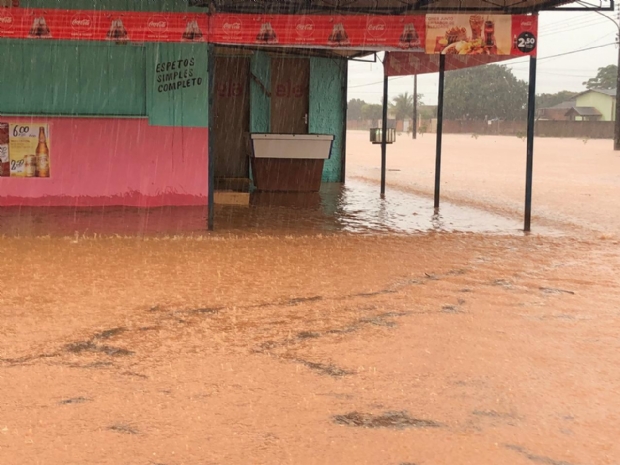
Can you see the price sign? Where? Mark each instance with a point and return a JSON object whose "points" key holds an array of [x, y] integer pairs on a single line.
{"points": [[23, 143], [526, 42]]}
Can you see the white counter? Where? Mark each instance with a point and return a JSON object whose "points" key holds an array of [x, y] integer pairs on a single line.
{"points": [[294, 146]]}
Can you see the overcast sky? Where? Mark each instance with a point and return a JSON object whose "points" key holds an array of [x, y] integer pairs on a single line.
{"points": [[558, 33]]}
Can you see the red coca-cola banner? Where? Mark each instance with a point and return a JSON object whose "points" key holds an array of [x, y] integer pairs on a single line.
{"points": [[433, 34], [340, 32], [410, 63], [116, 26]]}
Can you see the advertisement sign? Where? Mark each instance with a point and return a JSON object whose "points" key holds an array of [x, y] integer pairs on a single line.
{"points": [[481, 35], [408, 64], [29, 150], [354, 32], [114, 26], [503, 35]]}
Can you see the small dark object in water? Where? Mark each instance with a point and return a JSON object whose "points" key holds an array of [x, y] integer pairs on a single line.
{"points": [[331, 370], [108, 333], [74, 400], [122, 428], [450, 309], [394, 420], [299, 300], [114, 351], [552, 290], [207, 310], [79, 347], [535, 458]]}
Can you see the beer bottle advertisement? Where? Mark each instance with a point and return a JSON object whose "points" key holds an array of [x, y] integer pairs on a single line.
{"points": [[29, 150]]}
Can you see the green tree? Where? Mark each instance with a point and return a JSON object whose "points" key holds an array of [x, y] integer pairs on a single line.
{"points": [[372, 111], [354, 109], [402, 105], [484, 92], [427, 111], [550, 100], [606, 78]]}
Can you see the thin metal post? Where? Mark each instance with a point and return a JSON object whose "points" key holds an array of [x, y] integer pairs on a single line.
{"points": [[442, 69], [210, 154], [531, 121], [345, 108], [384, 132], [617, 113], [415, 107]]}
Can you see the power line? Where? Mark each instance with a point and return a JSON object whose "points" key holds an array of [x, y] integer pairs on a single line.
{"points": [[566, 53]]}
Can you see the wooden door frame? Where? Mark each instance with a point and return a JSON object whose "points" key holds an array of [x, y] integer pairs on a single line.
{"points": [[247, 111], [274, 57]]}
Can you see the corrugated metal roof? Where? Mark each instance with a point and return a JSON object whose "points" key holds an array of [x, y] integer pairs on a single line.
{"points": [[380, 6], [584, 111], [561, 106], [610, 92]]}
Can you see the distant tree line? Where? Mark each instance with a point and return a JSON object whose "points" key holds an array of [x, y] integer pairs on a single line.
{"points": [[480, 93], [401, 107]]}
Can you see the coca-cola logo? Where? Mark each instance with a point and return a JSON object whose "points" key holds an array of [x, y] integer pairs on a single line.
{"points": [[81, 22], [157, 24], [231, 25], [6, 22], [376, 28], [527, 25], [305, 28]]}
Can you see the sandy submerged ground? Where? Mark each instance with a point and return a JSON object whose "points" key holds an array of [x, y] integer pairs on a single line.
{"points": [[575, 183], [437, 348]]}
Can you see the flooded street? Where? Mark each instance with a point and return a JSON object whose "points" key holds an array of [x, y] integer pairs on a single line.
{"points": [[336, 329]]}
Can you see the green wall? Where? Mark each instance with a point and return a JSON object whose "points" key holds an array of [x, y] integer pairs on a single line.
{"points": [[63, 78], [120, 5], [327, 94], [67, 78], [260, 103]]}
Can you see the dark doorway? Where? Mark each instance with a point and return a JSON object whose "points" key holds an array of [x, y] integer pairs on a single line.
{"points": [[290, 85], [231, 120]]}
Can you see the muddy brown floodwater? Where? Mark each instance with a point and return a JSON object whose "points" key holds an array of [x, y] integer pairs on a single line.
{"points": [[339, 337]]}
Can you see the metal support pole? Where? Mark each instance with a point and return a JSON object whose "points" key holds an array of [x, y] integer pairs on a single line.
{"points": [[531, 113], [384, 132], [210, 154], [617, 115], [442, 69], [415, 107]]}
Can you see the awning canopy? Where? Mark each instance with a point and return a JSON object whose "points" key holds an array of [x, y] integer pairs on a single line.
{"points": [[390, 7]]}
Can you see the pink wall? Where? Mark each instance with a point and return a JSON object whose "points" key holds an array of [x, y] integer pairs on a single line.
{"points": [[115, 161]]}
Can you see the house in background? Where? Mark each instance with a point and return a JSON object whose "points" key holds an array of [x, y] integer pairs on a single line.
{"points": [[601, 100], [583, 114], [556, 112], [591, 105]]}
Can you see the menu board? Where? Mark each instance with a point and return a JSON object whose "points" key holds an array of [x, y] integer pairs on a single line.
{"points": [[29, 150]]}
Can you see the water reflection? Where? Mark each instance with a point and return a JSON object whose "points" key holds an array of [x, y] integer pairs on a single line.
{"points": [[354, 208], [357, 208]]}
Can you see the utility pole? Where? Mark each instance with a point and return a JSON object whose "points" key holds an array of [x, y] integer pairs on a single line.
{"points": [[415, 106], [617, 112]]}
